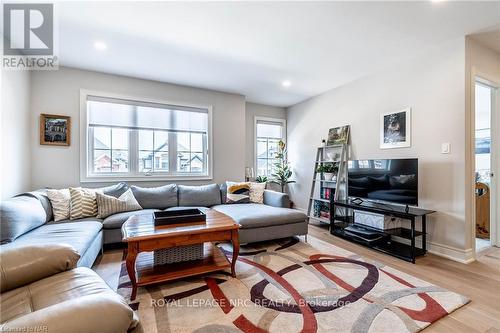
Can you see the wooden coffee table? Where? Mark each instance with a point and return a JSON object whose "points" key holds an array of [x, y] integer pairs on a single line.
{"points": [[142, 235]]}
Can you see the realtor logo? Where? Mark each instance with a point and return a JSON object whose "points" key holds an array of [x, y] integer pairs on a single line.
{"points": [[28, 36]]}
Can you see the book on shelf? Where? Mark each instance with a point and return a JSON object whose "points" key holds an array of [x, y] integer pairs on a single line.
{"points": [[326, 193], [321, 209]]}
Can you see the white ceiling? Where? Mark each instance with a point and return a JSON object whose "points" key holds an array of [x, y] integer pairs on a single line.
{"points": [[251, 47]]}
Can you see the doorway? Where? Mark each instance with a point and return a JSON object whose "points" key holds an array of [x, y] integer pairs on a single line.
{"points": [[485, 164]]}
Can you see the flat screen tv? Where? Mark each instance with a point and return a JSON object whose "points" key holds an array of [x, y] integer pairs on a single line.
{"points": [[388, 180]]}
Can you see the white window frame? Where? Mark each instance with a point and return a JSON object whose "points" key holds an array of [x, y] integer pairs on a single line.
{"points": [[86, 174], [267, 119]]}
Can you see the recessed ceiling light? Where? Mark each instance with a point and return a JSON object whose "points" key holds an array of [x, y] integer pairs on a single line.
{"points": [[286, 83], [100, 45]]}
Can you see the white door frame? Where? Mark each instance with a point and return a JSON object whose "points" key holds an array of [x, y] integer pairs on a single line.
{"points": [[495, 163]]}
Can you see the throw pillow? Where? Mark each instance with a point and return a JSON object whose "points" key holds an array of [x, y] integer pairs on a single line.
{"points": [[238, 193], [83, 203], [60, 201], [257, 192], [108, 205]]}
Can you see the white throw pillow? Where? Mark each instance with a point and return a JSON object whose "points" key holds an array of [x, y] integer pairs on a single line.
{"points": [[60, 201], [257, 192], [109, 205]]}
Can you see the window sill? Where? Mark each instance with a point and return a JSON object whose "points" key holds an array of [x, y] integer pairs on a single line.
{"points": [[108, 179]]}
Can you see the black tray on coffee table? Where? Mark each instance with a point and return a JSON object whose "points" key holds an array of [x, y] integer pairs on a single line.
{"points": [[179, 216]]}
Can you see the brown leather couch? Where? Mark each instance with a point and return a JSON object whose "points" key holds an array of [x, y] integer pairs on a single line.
{"points": [[43, 290]]}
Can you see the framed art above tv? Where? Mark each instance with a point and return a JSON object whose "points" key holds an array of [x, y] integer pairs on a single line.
{"points": [[395, 129]]}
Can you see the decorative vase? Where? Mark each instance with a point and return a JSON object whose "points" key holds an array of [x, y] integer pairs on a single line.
{"points": [[327, 175]]}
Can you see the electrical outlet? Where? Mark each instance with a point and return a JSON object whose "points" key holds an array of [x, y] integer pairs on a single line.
{"points": [[446, 148]]}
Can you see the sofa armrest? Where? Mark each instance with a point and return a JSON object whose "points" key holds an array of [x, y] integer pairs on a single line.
{"points": [[276, 199], [22, 265], [92, 313]]}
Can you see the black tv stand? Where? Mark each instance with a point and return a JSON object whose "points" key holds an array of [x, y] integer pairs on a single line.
{"points": [[357, 201], [388, 243]]}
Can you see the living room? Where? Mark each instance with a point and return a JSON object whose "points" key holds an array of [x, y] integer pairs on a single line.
{"points": [[250, 166]]}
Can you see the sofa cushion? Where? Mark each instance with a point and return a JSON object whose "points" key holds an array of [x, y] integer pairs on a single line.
{"points": [[38, 262], [18, 216], [41, 195], [156, 197], [114, 190], [203, 209], [204, 195], [257, 215], [91, 219], [73, 301], [116, 221], [78, 234]]}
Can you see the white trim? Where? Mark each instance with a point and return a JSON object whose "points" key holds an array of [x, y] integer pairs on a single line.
{"points": [[85, 177], [404, 144], [450, 252], [257, 119]]}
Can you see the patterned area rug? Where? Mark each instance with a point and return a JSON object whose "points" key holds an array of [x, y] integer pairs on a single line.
{"points": [[290, 286]]}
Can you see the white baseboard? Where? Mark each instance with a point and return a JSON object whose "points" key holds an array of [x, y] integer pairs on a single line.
{"points": [[450, 252]]}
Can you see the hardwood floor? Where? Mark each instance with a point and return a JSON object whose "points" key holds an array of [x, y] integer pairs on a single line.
{"points": [[479, 281]]}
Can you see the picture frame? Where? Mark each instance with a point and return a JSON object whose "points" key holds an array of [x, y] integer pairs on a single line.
{"points": [[338, 135], [395, 129], [55, 130]]}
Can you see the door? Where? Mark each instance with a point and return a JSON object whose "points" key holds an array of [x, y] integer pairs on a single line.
{"points": [[485, 161]]}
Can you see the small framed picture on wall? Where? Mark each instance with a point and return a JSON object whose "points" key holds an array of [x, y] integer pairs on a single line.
{"points": [[55, 130], [395, 129]]}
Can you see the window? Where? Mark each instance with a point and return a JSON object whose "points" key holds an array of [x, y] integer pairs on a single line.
{"points": [[268, 133], [484, 102], [131, 139]]}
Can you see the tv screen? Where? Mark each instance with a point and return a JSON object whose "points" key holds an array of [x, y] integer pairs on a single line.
{"points": [[391, 180]]}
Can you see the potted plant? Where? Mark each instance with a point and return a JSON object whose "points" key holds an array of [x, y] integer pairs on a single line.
{"points": [[329, 170], [261, 179], [282, 171]]}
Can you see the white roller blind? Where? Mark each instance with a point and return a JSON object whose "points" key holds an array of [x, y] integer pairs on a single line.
{"points": [[269, 129], [112, 112]]}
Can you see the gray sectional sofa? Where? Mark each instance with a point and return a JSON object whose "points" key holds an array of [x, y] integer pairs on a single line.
{"points": [[27, 218], [45, 276]]}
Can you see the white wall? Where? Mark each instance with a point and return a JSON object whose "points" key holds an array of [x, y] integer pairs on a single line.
{"points": [[433, 87], [257, 110], [15, 155], [58, 92]]}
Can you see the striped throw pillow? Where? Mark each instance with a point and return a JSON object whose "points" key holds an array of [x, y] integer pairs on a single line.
{"points": [[108, 205], [60, 201], [83, 203]]}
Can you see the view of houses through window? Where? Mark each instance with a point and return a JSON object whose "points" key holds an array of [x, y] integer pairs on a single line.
{"points": [[125, 140], [269, 133]]}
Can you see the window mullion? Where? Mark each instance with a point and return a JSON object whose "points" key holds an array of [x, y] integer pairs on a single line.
{"points": [[90, 151], [133, 154], [172, 152]]}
